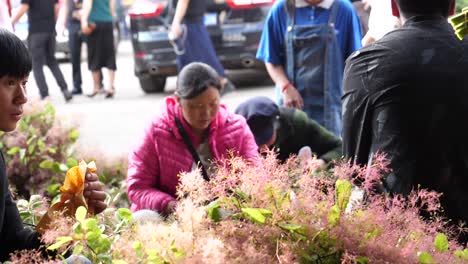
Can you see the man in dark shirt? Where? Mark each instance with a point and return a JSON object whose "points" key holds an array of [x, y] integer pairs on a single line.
{"points": [[15, 65], [407, 96], [41, 20], [288, 130]]}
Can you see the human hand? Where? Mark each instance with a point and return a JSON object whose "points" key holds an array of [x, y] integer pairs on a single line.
{"points": [[292, 98], [94, 194], [367, 4], [86, 28], [176, 30]]}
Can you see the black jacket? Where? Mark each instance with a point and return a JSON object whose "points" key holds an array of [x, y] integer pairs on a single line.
{"points": [[13, 235], [296, 130], [407, 96]]}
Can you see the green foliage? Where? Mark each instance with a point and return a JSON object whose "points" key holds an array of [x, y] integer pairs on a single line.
{"points": [[425, 258], [31, 210], [37, 152], [90, 238], [441, 243]]}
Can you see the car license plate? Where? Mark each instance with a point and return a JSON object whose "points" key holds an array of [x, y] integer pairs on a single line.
{"points": [[210, 19]]}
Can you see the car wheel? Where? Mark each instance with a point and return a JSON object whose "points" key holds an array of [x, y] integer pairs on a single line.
{"points": [[152, 84]]}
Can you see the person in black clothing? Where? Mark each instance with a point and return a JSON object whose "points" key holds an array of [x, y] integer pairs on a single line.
{"points": [[75, 40], [41, 19], [406, 96], [288, 130], [15, 66]]}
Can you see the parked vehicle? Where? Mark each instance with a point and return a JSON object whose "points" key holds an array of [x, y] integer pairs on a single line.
{"points": [[235, 27]]}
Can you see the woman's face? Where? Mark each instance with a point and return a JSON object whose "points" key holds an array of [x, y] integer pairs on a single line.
{"points": [[200, 111]]}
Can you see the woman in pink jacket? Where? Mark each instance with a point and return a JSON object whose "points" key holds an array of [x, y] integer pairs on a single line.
{"points": [[162, 154]]}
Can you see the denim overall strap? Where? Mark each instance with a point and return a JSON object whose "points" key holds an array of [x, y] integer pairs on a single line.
{"points": [[306, 53], [289, 45], [333, 74]]}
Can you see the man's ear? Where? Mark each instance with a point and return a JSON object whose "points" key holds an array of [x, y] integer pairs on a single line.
{"points": [[395, 11]]}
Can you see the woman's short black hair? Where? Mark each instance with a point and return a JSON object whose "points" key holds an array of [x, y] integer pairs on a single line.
{"points": [[15, 60], [195, 78]]}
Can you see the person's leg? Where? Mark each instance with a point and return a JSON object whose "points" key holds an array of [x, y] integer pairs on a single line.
{"points": [[37, 42], [54, 67], [74, 43], [110, 93]]}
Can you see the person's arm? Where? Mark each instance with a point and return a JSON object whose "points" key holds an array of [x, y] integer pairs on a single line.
{"points": [[143, 175], [21, 11], [112, 8], [324, 143], [291, 96], [86, 10], [62, 17], [13, 235], [181, 10]]}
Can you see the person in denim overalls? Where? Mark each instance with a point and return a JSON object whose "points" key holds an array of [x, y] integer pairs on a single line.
{"points": [[304, 46]]}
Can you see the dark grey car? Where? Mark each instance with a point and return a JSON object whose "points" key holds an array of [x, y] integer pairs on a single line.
{"points": [[235, 31]]}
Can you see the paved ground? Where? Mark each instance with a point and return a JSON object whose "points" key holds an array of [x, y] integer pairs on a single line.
{"points": [[111, 125]]}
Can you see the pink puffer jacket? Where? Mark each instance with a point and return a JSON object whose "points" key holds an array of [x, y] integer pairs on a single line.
{"points": [[161, 154]]}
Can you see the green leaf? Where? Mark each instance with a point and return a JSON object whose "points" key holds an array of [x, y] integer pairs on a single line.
{"points": [[80, 214], [53, 189], [293, 228], [463, 254], [334, 216], [22, 154], [60, 242], [125, 214], [63, 167], [73, 135], [93, 236], [441, 242], [91, 224], [256, 215], [425, 258], [78, 249], [343, 193], [31, 149], [177, 252], [362, 260], [71, 162], [52, 150], [46, 164], [241, 195], [213, 211], [13, 151]]}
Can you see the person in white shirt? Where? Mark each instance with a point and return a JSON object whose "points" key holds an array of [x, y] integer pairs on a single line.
{"points": [[381, 21], [5, 15]]}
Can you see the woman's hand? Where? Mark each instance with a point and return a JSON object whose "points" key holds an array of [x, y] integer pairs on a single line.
{"points": [[86, 28], [176, 30], [292, 98], [94, 194]]}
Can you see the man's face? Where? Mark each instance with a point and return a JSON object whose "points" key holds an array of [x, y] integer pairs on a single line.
{"points": [[12, 99], [313, 2]]}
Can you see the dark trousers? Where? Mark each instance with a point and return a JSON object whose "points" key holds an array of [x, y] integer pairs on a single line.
{"points": [[75, 41], [42, 47]]}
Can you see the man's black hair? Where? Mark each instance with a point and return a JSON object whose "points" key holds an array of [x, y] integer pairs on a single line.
{"points": [[424, 7], [195, 78], [15, 60]]}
